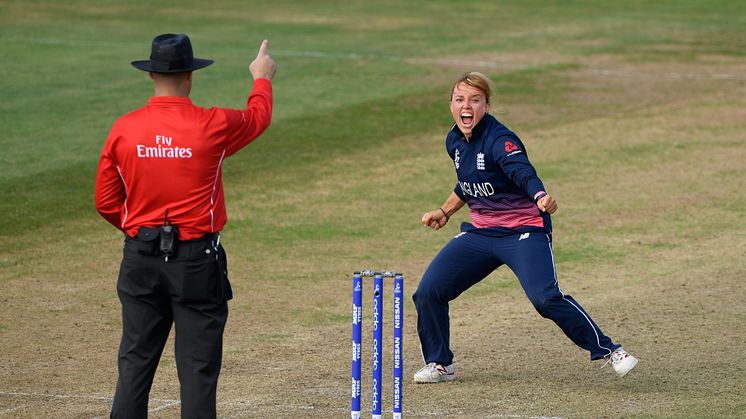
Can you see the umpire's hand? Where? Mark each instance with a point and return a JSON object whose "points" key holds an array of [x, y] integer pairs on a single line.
{"points": [[263, 66]]}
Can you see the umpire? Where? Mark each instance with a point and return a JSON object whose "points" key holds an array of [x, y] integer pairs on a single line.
{"points": [[159, 180]]}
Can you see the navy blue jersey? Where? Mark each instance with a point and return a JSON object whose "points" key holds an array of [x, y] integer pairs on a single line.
{"points": [[496, 179]]}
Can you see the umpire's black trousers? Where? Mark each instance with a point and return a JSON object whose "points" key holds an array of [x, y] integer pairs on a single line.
{"points": [[191, 290]]}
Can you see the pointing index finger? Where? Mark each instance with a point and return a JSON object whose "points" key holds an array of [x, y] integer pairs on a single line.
{"points": [[263, 48]]}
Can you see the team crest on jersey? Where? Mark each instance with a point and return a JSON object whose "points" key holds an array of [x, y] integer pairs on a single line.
{"points": [[456, 159], [480, 161]]}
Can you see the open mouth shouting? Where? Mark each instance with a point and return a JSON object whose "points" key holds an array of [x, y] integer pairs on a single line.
{"points": [[468, 106]]}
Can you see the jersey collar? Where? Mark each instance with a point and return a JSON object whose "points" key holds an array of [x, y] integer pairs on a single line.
{"points": [[169, 100]]}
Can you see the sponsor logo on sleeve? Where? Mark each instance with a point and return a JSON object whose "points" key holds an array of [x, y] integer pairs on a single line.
{"points": [[511, 148]]}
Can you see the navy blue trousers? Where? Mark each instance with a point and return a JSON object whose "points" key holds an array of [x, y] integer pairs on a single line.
{"points": [[470, 257]]}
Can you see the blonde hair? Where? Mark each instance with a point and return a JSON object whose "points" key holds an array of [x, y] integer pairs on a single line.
{"points": [[475, 79]]}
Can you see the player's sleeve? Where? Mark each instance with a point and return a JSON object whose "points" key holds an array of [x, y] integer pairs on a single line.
{"points": [[510, 154], [243, 126], [109, 193], [456, 189]]}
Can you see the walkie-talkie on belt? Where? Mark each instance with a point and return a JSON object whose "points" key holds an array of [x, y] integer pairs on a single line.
{"points": [[168, 235]]}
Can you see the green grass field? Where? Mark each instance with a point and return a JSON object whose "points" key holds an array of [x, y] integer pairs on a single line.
{"points": [[633, 112]]}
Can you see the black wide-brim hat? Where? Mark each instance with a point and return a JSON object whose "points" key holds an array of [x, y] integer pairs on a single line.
{"points": [[171, 54]]}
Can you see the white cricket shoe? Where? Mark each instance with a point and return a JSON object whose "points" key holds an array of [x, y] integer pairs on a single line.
{"points": [[434, 373], [621, 361]]}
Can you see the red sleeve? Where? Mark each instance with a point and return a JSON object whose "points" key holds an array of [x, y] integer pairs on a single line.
{"points": [[245, 125], [109, 195]]}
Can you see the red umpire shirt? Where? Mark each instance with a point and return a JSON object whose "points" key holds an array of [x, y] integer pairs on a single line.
{"points": [[168, 156]]}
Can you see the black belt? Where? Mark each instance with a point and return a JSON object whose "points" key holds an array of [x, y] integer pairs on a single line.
{"points": [[162, 241], [211, 237], [206, 237]]}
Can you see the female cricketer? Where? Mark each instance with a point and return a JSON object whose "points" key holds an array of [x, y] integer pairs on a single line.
{"points": [[511, 225]]}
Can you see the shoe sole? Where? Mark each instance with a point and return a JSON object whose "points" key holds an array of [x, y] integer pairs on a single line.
{"points": [[446, 378]]}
